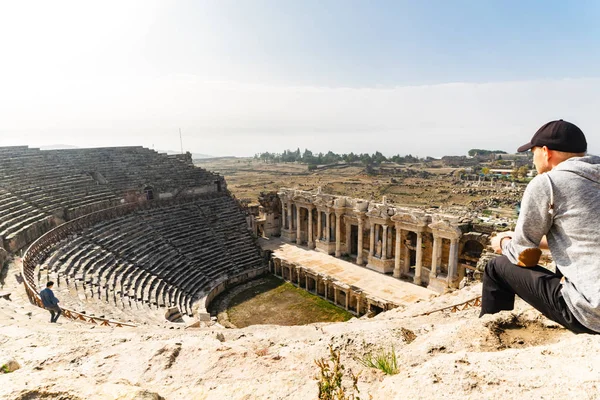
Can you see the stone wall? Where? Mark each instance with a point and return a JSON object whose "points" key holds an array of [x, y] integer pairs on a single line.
{"points": [[270, 214], [201, 307], [26, 236], [351, 298]]}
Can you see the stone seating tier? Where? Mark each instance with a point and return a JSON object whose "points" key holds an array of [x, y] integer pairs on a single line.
{"points": [[161, 257], [128, 168], [36, 185]]}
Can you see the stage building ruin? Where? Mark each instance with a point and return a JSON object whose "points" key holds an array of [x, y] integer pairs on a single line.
{"points": [[431, 249]]}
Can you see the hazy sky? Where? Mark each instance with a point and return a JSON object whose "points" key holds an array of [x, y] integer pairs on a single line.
{"points": [[241, 77]]}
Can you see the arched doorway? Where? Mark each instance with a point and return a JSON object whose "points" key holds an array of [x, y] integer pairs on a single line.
{"points": [[149, 191]]}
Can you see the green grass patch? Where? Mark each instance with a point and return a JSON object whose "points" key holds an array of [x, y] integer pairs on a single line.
{"points": [[383, 360], [278, 302]]}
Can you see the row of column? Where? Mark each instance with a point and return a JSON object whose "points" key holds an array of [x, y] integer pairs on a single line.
{"points": [[374, 238], [287, 211], [436, 257], [327, 288]]}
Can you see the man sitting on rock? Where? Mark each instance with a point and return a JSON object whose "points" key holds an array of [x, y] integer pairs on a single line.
{"points": [[50, 302], [562, 203]]}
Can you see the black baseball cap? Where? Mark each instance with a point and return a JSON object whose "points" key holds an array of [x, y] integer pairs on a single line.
{"points": [[558, 135]]}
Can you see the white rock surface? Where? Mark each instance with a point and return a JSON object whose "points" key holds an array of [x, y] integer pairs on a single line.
{"points": [[453, 355]]}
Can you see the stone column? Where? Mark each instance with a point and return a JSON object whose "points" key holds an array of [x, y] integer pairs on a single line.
{"points": [[298, 234], [384, 243], [372, 240], [325, 281], [338, 235], [419, 263], [328, 228], [398, 252], [310, 241], [319, 226], [359, 258], [347, 299], [284, 215], [435, 255], [348, 235], [332, 229], [289, 215], [407, 261], [357, 304], [335, 296], [453, 262]]}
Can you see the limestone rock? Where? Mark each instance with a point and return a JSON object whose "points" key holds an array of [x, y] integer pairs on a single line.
{"points": [[141, 395], [43, 394], [9, 366]]}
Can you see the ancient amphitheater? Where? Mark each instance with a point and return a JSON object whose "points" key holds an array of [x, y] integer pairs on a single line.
{"points": [[139, 243], [138, 231]]}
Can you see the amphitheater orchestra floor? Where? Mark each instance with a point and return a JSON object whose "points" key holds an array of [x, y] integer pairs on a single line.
{"points": [[383, 286]]}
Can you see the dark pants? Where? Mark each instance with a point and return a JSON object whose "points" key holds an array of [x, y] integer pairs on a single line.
{"points": [[537, 286], [54, 313]]}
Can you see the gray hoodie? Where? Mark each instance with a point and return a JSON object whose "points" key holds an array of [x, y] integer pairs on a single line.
{"points": [[564, 205]]}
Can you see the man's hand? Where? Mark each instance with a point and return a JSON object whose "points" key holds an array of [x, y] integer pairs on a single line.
{"points": [[495, 242]]}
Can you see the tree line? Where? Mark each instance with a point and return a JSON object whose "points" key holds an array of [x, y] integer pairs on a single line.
{"points": [[308, 157], [516, 172], [482, 152]]}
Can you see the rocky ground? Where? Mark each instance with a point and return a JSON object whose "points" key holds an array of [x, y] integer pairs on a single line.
{"points": [[405, 185], [442, 355]]}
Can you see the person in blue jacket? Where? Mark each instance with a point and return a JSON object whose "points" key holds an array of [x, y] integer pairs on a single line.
{"points": [[50, 301]]}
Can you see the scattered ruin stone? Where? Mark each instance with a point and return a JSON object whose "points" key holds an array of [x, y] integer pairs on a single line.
{"points": [[37, 394], [408, 335], [9, 366], [141, 395], [173, 314]]}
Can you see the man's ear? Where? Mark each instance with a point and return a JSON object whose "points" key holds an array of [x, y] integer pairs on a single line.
{"points": [[547, 153]]}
